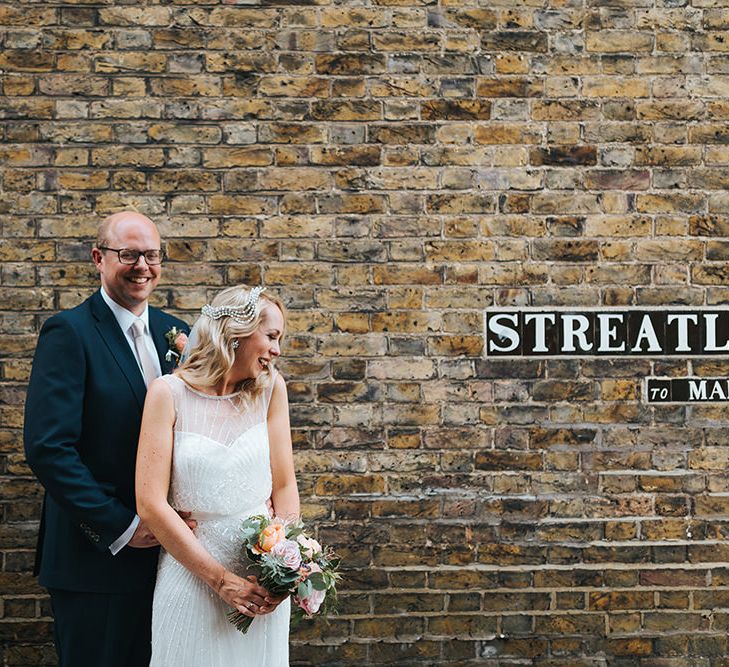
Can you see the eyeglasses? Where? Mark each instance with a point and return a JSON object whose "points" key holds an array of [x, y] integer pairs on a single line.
{"points": [[129, 256]]}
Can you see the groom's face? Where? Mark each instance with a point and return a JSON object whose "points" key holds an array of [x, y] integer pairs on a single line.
{"points": [[129, 284]]}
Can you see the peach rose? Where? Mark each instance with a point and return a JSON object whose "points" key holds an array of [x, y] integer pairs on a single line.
{"points": [[271, 535]]}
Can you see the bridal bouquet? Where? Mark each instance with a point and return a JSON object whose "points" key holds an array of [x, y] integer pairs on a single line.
{"points": [[285, 560]]}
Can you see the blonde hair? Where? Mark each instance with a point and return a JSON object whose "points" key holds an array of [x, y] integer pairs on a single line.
{"points": [[213, 355]]}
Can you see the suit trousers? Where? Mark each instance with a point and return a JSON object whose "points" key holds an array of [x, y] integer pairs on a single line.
{"points": [[102, 629]]}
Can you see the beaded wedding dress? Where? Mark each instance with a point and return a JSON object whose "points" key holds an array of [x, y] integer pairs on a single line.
{"points": [[221, 472]]}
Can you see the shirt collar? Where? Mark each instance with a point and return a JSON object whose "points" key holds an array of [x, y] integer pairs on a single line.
{"points": [[125, 317]]}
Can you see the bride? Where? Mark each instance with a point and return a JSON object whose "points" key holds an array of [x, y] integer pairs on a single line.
{"points": [[215, 441]]}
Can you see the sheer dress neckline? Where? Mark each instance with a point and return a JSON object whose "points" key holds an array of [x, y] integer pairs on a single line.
{"points": [[220, 418], [210, 396]]}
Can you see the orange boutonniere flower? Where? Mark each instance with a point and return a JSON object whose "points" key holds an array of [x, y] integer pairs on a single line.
{"points": [[176, 341]]}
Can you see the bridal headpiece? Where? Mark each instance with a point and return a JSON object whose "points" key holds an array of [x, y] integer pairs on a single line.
{"points": [[244, 314]]}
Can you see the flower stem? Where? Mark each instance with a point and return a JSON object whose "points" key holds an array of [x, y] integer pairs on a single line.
{"points": [[241, 621]]}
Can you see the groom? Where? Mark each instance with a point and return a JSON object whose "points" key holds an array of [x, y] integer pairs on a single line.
{"points": [[82, 419]]}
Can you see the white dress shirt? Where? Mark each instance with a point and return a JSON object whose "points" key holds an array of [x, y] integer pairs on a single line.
{"points": [[125, 318]]}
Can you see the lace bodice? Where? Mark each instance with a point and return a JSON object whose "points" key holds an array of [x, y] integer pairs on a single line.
{"points": [[220, 460]]}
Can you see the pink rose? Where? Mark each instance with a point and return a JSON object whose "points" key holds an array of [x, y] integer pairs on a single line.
{"points": [[311, 603], [180, 341], [288, 552], [309, 546]]}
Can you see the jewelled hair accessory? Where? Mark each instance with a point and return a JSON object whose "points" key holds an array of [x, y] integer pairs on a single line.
{"points": [[244, 314]]}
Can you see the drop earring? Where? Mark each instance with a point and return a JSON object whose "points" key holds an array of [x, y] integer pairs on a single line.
{"points": [[235, 344]]}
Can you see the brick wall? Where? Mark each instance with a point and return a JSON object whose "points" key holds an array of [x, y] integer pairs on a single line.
{"points": [[394, 168]]}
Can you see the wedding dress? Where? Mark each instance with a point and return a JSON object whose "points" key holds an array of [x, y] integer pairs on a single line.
{"points": [[221, 472]]}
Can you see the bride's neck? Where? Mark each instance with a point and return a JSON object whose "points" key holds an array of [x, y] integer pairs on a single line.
{"points": [[229, 384]]}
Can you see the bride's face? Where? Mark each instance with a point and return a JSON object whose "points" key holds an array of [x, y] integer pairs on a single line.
{"points": [[256, 351]]}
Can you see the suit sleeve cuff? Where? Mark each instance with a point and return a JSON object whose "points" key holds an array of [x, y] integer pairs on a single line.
{"points": [[122, 541]]}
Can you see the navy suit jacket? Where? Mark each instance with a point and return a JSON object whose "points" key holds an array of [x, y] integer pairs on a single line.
{"points": [[82, 417]]}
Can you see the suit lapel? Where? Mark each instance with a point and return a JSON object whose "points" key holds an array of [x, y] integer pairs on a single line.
{"points": [[158, 331], [113, 337]]}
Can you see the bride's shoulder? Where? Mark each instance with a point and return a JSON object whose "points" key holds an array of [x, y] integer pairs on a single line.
{"points": [[277, 389], [169, 385], [160, 399], [173, 382], [276, 381]]}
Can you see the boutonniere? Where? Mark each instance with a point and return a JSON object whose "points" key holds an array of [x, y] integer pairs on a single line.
{"points": [[176, 341]]}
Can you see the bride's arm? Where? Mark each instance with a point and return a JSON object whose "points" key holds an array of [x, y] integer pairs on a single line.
{"points": [[154, 463], [285, 495]]}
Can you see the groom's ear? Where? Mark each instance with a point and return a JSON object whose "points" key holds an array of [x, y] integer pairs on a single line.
{"points": [[96, 255]]}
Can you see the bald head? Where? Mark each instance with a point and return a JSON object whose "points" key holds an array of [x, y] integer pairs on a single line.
{"points": [[108, 228]]}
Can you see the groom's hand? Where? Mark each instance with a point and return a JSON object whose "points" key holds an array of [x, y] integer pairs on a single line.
{"points": [[143, 538], [271, 602], [185, 516]]}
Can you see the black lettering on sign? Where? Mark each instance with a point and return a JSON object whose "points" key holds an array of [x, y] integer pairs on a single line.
{"points": [[605, 332]]}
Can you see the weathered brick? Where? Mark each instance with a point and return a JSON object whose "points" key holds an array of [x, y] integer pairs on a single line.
{"points": [[564, 156], [456, 110], [349, 64], [349, 484], [674, 110], [188, 180], [217, 158], [565, 250], [346, 110], [355, 155], [194, 86], [606, 87], [617, 41], [564, 110], [293, 178], [136, 157], [129, 62], [405, 41], [606, 179]]}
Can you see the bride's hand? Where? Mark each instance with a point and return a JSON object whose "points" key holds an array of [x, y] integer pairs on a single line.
{"points": [[245, 595]]}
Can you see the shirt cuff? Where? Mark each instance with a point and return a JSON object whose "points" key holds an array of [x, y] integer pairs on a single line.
{"points": [[122, 541]]}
